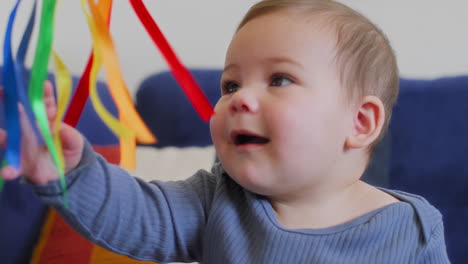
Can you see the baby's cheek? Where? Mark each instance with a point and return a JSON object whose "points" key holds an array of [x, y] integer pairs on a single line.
{"points": [[217, 130], [214, 130]]}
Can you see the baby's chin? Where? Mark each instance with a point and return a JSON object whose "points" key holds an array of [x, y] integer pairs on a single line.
{"points": [[256, 184]]}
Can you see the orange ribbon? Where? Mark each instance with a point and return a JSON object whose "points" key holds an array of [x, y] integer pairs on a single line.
{"points": [[104, 52]]}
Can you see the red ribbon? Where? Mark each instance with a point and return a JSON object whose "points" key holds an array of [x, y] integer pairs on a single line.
{"points": [[78, 101], [195, 95], [80, 97]]}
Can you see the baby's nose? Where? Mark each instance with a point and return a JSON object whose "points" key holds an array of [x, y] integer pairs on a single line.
{"points": [[244, 101]]}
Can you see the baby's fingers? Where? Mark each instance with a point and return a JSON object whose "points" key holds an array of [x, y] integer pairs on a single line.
{"points": [[28, 135], [2, 138], [49, 101], [9, 173]]}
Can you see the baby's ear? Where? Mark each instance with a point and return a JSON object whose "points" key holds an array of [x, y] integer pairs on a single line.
{"points": [[368, 121]]}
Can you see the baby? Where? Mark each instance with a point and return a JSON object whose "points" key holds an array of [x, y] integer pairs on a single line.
{"points": [[307, 91]]}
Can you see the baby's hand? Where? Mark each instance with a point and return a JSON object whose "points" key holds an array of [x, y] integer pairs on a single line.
{"points": [[36, 162]]}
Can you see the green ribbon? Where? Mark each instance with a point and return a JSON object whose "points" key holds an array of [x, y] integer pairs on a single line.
{"points": [[36, 85], [2, 181]]}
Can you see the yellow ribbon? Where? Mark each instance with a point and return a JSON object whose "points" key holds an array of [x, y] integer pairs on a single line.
{"points": [[63, 83], [102, 112], [118, 88]]}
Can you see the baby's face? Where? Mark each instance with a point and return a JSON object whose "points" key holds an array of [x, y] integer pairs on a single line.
{"points": [[281, 123]]}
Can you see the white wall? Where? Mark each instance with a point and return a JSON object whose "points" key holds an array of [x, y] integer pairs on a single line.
{"points": [[430, 37]]}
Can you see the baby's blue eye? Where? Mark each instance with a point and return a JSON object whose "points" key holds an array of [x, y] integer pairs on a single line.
{"points": [[280, 80], [229, 87]]}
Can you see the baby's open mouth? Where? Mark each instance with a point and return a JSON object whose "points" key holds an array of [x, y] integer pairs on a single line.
{"points": [[244, 139]]}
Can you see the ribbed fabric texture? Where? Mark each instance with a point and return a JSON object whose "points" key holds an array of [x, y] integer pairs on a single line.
{"points": [[210, 219]]}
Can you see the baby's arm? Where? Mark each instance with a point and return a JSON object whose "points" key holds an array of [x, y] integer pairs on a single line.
{"points": [[148, 221], [160, 221]]}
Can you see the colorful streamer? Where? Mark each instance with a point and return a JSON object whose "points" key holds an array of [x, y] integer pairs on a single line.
{"points": [[182, 75], [36, 85], [130, 127]]}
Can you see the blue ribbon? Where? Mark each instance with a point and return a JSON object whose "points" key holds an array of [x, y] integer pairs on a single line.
{"points": [[13, 146], [21, 74]]}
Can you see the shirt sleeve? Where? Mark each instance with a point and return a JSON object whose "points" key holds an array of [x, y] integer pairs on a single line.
{"points": [[436, 250], [157, 221]]}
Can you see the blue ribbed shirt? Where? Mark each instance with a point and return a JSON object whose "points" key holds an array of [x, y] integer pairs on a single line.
{"points": [[208, 218]]}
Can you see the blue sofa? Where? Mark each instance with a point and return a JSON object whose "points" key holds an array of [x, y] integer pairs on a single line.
{"points": [[423, 153]]}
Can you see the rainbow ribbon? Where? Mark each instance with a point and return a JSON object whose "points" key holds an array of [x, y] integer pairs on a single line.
{"points": [[131, 127], [104, 52]]}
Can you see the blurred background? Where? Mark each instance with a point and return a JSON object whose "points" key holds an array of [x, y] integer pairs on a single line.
{"points": [[430, 37]]}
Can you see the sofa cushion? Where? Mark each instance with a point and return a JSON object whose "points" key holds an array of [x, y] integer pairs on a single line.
{"points": [[168, 113], [429, 151], [378, 172], [21, 217]]}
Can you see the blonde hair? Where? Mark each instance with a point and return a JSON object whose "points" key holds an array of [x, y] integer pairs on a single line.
{"points": [[366, 62]]}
